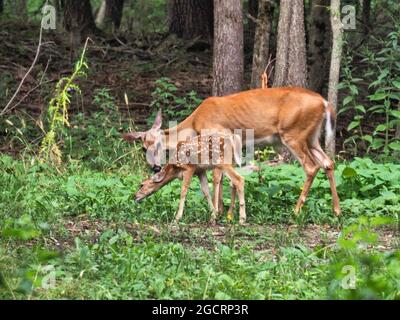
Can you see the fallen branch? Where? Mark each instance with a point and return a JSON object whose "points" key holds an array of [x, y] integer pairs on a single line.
{"points": [[26, 75], [34, 88]]}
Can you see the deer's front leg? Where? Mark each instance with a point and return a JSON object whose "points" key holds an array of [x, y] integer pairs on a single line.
{"points": [[217, 177], [206, 191], [186, 178]]}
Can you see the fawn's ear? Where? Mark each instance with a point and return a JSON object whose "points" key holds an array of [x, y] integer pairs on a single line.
{"points": [[132, 136], [158, 121]]}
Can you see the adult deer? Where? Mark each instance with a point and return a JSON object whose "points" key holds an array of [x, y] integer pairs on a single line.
{"points": [[292, 116], [194, 157]]}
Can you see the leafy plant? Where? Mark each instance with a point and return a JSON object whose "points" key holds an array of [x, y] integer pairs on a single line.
{"points": [[358, 271], [174, 107], [384, 68], [58, 111]]}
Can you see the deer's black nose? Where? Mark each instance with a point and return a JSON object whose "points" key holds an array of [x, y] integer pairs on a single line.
{"points": [[156, 169]]}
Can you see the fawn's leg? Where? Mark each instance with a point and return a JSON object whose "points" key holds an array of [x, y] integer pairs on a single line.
{"points": [[238, 183], [206, 191], [187, 177], [233, 202]]}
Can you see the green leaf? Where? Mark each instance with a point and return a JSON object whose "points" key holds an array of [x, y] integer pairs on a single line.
{"points": [[360, 107], [347, 100], [378, 96], [395, 145], [396, 84], [381, 127], [367, 138], [352, 125], [395, 113], [349, 172]]}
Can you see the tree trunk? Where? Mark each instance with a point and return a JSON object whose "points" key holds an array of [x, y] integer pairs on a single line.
{"points": [[110, 14], [1, 6], [319, 43], [191, 18], [337, 43], [366, 15], [261, 41], [20, 8], [78, 19], [291, 64], [228, 47], [253, 11], [101, 14]]}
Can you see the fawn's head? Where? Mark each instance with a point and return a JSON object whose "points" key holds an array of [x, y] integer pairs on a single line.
{"points": [[157, 181], [152, 142]]}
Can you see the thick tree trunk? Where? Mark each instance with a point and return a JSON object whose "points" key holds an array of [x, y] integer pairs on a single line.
{"points": [[1, 6], [291, 64], [191, 18], [110, 14], [337, 43], [319, 43], [261, 41], [78, 19], [228, 47]]}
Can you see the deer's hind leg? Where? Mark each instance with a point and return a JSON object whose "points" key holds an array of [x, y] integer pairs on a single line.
{"points": [[238, 184], [300, 149], [328, 165]]}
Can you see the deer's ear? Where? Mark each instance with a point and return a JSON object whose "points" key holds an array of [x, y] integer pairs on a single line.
{"points": [[158, 121], [132, 136]]}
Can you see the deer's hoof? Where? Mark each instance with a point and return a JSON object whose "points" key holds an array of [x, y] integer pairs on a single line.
{"points": [[337, 212]]}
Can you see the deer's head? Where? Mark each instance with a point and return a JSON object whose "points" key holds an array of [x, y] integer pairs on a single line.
{"points": [[152, 142], [157, 181]]}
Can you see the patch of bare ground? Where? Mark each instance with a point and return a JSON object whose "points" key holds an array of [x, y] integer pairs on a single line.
{"points": [[268, 238]]}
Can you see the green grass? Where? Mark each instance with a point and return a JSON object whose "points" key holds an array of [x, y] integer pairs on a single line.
{"points": [[82, 226]]}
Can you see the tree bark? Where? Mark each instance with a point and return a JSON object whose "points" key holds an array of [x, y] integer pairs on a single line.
{"points": [[1, 6], [191, 18], [290, 67], [337, 46], [228, 47], [319, 43], [110, 14], [261, 41], [78, 19]]}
